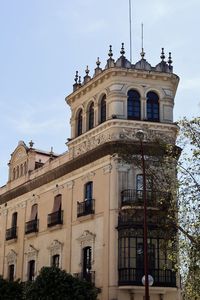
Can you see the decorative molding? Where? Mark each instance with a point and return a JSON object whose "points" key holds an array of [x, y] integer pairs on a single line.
{"points": [[31, 253], [87, 236], [70, 184], [55, 248], [88, 176], [107, 169], [58, 189], [11, 257]]}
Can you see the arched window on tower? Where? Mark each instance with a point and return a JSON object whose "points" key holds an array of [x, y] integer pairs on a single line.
{"points": [[152, 107], [133, 105], [91, 116], [103, 109], [80, 123]]}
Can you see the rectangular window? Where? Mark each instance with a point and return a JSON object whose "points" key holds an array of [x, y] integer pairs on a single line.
{"points": [[11, 271], [56, 260], [31, 270]]}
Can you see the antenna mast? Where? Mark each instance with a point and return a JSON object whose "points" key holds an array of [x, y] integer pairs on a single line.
{"points": [[130, 25]]}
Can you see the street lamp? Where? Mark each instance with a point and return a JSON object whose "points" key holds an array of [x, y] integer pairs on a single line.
{"points": [[140, 136]]}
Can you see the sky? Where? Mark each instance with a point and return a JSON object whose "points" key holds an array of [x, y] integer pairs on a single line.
{"points": [[44, 42]]}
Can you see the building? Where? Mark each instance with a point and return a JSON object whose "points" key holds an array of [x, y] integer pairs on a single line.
{"points": [[73, 210]]}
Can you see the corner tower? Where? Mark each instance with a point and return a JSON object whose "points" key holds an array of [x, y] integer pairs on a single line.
{"points": [[107, 111]]}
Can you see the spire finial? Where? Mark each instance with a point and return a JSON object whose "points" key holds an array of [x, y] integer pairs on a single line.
{"points": [[31, 144], [87, 71], [142, 40], [162, 54], [76, 77], [170, 59], [79, 80], [98, 62], [122, 50], [110, 53]]}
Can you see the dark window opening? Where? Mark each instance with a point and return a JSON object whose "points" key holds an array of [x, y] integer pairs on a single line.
{"points": [[91, 116], [103, 109], [87, 260], [133, 105], [56, 260], [31, 270], [88, 190], [80, 123], [152, 107], [11, 271]]}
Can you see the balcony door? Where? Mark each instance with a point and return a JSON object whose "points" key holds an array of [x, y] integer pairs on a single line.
{"points": [[87, 261]]}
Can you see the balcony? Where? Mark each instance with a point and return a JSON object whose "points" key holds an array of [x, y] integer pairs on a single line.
{"points": [[133, 276], [55, 218], [11, 233], [132, 197], [85, 208], [31, 226], [88, 276], [129, 218]]}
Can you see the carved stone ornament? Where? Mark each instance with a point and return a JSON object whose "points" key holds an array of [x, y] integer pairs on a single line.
{"points": [[87, 236], [11, 257], [31, 253], [55, 247], [88, 176]]}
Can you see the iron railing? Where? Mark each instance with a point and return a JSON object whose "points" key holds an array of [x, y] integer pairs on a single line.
{"points": [[128, 218], [11, 233], [88, 276], [85, 208], [132, 197], [31, 226], [133, 276], [55, 218]]}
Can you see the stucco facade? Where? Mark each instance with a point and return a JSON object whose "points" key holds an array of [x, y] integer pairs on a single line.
{"points": [[64, 209]]}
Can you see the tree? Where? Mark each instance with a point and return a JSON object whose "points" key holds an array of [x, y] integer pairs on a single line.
{"points": [[55, 284], [163, 161], [10, 290], [189, 206]]}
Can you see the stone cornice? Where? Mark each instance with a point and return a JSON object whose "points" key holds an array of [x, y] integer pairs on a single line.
{"points": [[115, 71]]}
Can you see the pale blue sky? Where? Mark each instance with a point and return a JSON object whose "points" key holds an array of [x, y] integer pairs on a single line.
{"points": [[43, 43]]}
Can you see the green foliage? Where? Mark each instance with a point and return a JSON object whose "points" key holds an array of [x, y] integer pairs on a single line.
{"points": [[55, 284], [189, 206], [10, 290]]}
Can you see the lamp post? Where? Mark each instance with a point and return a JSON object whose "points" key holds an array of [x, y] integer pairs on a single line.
{"points": [[140, 136]]}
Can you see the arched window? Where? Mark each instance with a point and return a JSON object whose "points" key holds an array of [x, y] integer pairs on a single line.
{"points": [[14, 174], [103, 109], [133, 105], [25, 167], [80, 123], [17, 172], [91, 116], [21, 170], [152, 107]]}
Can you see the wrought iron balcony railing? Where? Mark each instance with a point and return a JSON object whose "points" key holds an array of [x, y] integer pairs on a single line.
{"points": [[132, 197], [55, 218], [85, 208], [11, 233], [88, 276], [133, 276], [31, 226]]}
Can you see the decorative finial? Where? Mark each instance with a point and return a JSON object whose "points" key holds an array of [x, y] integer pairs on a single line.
{"points": [[142, 53], [31, 144], [162, 54], [98, 62], [87, 71], [76, 77], [170, 59], [122, 50], [110, 54], [142, 39], [79, 80]]}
